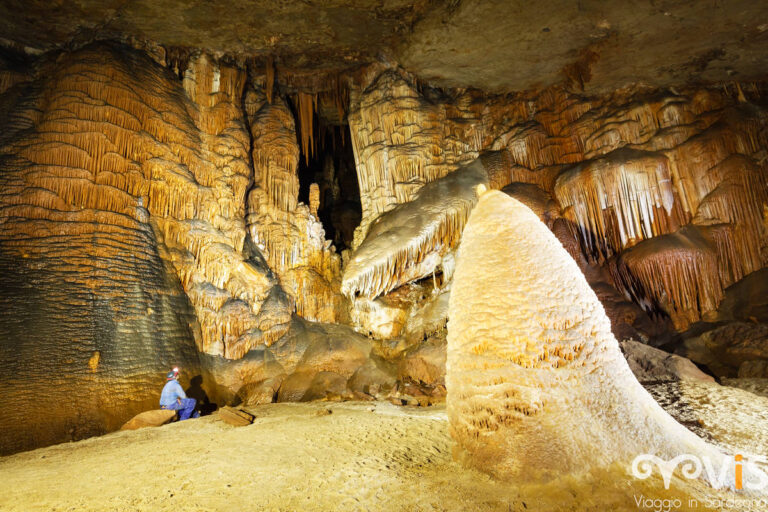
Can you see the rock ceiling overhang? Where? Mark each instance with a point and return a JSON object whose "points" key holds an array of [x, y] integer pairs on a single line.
{"points": [[489, 44]]}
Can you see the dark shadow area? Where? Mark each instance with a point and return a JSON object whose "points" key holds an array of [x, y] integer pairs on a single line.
{"points": [[196, 391], [635, 315], [332, 166]]}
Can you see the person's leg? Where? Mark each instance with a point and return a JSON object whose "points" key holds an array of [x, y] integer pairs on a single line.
{"points": [[186, 408], [173, 407]]}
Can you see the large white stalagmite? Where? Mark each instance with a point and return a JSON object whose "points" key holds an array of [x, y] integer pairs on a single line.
{"points": [[537, 385]]}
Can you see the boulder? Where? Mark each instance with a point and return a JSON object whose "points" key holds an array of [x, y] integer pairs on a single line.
{"points": [[726, 348], [326, 386], [294, 386], [153, 418], [341, 351], [651, 364], [373, 378], [425, 364], [262, 392]]}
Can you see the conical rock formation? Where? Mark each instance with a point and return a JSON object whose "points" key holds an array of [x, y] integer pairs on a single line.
{"points": [[537, 385]]}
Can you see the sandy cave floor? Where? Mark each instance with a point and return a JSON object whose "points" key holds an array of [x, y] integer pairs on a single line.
{"points": [[361, 456]]}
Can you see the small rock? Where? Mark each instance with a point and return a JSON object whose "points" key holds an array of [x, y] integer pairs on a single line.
{"points": [[153, 418], [357, 395], [652, 364], [236, 417]]}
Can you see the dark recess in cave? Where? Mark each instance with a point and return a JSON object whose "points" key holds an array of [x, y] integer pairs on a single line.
{"points": [[332, 167]]}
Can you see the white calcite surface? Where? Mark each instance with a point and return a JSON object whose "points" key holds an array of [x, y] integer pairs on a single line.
{"points": [[409, 242], [537, 385]]}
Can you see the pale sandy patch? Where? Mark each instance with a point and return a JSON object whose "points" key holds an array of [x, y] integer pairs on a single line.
{"points": [[362, 456]]}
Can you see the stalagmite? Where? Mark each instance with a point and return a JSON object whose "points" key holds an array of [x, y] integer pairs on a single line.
{"points": [[624, 168], [537, 385], [314, 198], [149, 209]]}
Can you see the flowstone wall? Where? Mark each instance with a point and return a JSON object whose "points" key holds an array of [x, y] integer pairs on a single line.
{"points": [[150, 216], [122, 233], [661, 194]]}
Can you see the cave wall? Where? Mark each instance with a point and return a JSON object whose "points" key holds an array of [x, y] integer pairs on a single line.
{"points": [[121, 245], [662, 190], [150, 216]]}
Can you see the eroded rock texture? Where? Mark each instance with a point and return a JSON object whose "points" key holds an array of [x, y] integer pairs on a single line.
{"points": [[122, 237], [663, 190], [150, 213], [536, 382], [313, 361], [288, 233]]}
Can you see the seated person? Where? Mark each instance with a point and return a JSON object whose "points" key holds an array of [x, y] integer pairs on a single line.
{"points": [[174, 398]]}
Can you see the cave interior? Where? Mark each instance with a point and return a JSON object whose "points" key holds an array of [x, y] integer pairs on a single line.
{"points": [[273, 196]]}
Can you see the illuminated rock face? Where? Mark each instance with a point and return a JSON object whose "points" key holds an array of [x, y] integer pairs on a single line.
{"points": [[409, 241], [537, 385], [287, 233], [402, 141], [622, 171], [150, 214], [122, 233]]}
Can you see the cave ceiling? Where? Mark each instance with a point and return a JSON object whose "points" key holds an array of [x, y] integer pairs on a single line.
{"points": [[497, 45]]}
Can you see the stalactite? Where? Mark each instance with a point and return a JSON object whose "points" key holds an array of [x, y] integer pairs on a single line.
{"points": [[275, 153], [401, 142], [625, 168], [676, 274], [619, 200], [408, 242], [270, 78], [307, 104], [288, 234]]}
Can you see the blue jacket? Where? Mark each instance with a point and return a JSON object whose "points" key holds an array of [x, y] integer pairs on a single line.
{"points": [[171, 391]]}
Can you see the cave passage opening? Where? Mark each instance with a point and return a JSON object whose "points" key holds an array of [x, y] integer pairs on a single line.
{"points": [[331, 165]]}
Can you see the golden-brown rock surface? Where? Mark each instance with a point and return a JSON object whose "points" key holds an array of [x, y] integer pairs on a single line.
{"points": [[150, 215], [123, 202], [627, 171], [288, 234]]}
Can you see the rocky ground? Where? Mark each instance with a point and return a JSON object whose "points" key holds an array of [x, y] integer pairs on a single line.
{"points": [[344, 456]]}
